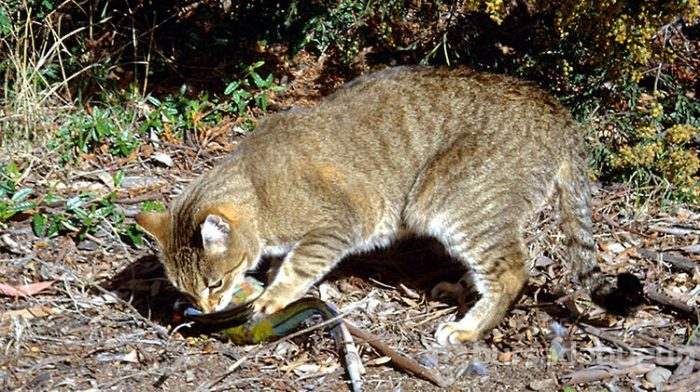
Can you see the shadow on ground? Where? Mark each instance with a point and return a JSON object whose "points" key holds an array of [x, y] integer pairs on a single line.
{"points": [[417, 263]]}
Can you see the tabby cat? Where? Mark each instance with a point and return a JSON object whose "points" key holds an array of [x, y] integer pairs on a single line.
{"points": [[458, 155]]}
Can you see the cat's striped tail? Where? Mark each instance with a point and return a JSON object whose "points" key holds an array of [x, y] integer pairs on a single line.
{"points": [[574, 189]]}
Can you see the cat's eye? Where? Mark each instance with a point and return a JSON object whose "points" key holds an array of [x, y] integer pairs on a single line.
{"points": [[217, 285]]}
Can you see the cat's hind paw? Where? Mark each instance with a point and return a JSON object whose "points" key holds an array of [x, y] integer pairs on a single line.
{"points": [[453, 333], [450, 290]]}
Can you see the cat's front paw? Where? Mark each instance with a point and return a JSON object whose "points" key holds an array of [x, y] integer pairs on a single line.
{"points": [[454, 333], [266, 305]]}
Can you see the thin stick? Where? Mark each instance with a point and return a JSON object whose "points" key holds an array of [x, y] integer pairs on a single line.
{"points": [[207, 386], [677, 263], [657, 296], [399, 360], [139, 199], [607, 337]]}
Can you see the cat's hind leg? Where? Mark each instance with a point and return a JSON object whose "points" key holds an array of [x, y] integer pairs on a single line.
{"points": [[499, 274]]}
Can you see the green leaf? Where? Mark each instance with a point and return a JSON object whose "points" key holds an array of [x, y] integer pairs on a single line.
{"points": [[54, 227], [39, 224], [259, 82], [22, 206], [11, 171], [231, 88], [75, 202], [104, 211], [135, 234], [118, 178], [21, 194], [5, 22], [50, 198], [153, 100]]}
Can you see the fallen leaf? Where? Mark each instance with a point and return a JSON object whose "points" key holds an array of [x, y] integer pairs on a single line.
{"points": [[27, 289], [506, 356], [106, 178], [131, 357], [378, 361], [163, 158], [30, 313]]}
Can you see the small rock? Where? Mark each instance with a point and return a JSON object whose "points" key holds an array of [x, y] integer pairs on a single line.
{"points": [[616, 247], [557, 351], [285, 348], [472, 369], [543, 262], [541, 385], [328, 292], [658, 376], [428, 361], [557, 329], [87, 245]]}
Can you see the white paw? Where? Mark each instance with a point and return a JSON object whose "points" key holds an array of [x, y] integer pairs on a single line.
{"points": [[455, 333], [265, 306]]}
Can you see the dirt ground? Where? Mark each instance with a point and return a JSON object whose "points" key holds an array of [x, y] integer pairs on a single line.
{"points": [[107, 321]]}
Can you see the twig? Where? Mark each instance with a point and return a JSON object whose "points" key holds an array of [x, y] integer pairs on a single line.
{"points": [[692, 383], [625, 192], [607, 219], [208, 385], [691, 351], [657, 296], [606, 336], [353, 362], [399, 360], [677, 231], [597, 373], [677, 263], [139, 199], [135, 314], [76, 230]]}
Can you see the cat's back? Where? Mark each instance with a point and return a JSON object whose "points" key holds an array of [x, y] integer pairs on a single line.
{"points": [[411, 113]]}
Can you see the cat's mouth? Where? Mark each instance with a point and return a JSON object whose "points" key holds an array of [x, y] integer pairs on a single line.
{"points": [[237, 312], [231, 316]]}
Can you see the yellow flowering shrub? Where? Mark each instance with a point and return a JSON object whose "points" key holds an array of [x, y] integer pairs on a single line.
{"points": [[621, 31]]}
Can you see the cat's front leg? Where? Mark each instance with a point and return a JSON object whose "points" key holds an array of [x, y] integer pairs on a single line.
{"points": [[316, 254]]}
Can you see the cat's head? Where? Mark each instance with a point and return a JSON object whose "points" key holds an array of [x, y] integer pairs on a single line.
{"points": [[206, 260]]}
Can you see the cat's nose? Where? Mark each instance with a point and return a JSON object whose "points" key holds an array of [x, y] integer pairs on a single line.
{"points": [[205, 305]]}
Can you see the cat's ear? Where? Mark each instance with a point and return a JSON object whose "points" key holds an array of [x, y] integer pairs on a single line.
{"points": [[155, 223], [215, 234]]}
